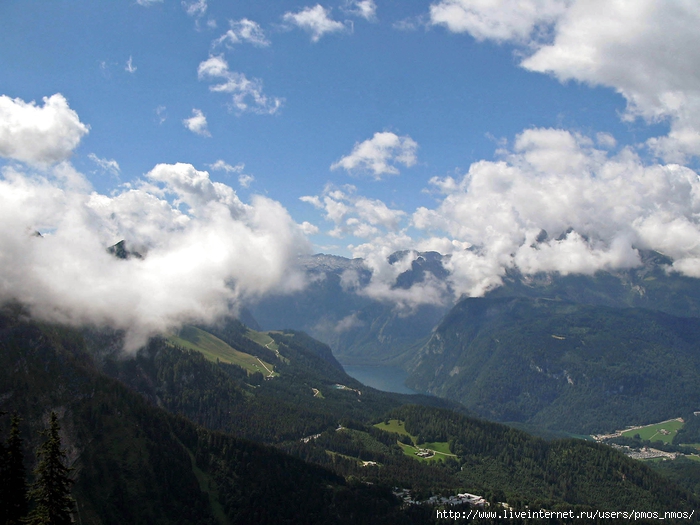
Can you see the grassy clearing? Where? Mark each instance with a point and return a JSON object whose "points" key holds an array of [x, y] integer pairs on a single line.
{"points": [[214, 348], [263, 339], [393, 425], [664, 431], [442, 449]]}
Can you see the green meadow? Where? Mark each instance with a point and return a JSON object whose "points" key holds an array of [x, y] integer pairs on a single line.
{"points": [[215, 349], [664, 431]]}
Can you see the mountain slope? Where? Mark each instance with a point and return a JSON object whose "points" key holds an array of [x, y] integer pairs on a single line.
{"points": [[136, 463], [360, 329], [562, 365]]}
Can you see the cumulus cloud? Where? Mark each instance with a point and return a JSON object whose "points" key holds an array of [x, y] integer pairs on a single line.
{"points": [[204, 250], [245, 180], [314, 20], [221, 165], [241, 31], [646, 50], [366, 9], [308, 228], [197, 123], [380, 154], [556, 203], [39, 135], [383, 232], [246, 94], [353, 214], [498, 20]]}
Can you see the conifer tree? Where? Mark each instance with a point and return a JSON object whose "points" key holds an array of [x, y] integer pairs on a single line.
{"points": [[15, 490], [51, 490], [3, 486]]}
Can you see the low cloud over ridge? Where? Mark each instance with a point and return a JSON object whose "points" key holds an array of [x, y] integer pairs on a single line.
{"points": [[554, 202], [205, 251]]}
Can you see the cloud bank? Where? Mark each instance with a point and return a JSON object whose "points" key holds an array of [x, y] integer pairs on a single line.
{"points": [[555, 201], [204, 250]]}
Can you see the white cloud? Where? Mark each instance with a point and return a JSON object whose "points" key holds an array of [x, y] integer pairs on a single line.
{"points": [[161, 114], [499, 20], [366, 9], [39, 135], [308, 228], [552, 181], [314, 20], [410, 23], [355, 215], [247, 94], [197, 123], [195, 7], [243, 30], [221, 165], [148, 3], [111, 166], [382, 285], [245, 180], [647, 50], [130, 67], [379, 155], [199, 263]]}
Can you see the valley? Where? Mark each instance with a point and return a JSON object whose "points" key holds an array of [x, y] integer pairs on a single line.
{"points": [[311, 419], [537, 360]]}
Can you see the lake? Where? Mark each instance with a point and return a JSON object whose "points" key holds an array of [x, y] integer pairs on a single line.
{"points": [[386, 378]]}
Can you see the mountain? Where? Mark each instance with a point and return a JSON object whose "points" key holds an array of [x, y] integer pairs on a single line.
{"points": [[359, 329], [137, 463], [652, 285], [166, 436], [562, 365], [616, 373]]}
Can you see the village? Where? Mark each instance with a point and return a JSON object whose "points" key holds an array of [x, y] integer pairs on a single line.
{"points": [[460, 499]]}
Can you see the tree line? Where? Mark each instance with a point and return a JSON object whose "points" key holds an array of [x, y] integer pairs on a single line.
{"points": [[47, 501]]}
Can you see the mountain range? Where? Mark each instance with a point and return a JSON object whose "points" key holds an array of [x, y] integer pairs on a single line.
{"points": [[579, 353], [251, 420]]}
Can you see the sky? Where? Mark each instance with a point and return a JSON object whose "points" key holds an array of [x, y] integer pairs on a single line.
{"points": [[224, 139]]}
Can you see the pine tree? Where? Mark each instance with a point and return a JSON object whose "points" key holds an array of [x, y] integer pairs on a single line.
{"points": [[4, 459], [51, 490], [15, 491]]}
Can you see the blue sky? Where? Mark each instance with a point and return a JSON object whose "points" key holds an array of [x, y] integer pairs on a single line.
{"points": [[452, 95], [462, 126]]}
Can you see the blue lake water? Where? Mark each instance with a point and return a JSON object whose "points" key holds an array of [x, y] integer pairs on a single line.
{"points": [[386, 378]]}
